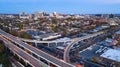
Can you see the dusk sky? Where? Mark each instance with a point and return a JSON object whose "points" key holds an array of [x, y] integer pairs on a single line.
{"points": [[60, 6]]}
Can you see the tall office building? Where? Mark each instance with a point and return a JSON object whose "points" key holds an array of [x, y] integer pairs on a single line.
{"points": [[111, 16], [23, 15]]}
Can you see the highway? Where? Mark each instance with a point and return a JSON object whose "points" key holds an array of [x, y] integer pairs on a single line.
{"points": [[36, 41], [76, 40], [36, 51], [22, 54], [15, 63]]}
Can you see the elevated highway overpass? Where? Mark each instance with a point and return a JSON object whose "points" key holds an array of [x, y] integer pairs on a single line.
{"points": [[22, 54], [76, 40], [39, 53]]}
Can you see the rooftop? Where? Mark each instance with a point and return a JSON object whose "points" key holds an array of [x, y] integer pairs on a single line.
{"points": [[90, 52], [118, 32], [109, 40], [62, 39], [112, 54]]}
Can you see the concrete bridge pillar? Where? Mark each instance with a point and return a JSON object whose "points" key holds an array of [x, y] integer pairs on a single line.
{"points": [[39, 58], [55, 43], [13, 53], [10, 51], [31, 53], [26, 62], [48, 45], [64, 43], [19, 58], [35, 44]]}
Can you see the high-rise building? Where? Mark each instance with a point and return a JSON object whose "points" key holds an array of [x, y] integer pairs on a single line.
{"points": [[111, 15], [38, 14], [23, 15]]}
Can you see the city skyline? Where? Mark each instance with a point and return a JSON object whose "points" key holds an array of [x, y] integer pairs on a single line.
{"points": [[61, 6], [59, 33]]}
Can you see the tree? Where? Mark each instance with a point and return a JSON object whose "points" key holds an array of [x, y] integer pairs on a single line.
{"points": [[1, 47], [54, 28], [26, 21], [1, 26], [25, 35], [6, 23], [55, 20], [15, 33], [7, 30], [3, 59], [64, 31], [109, 36], [94, 59], [90, 27], [19, 25]]}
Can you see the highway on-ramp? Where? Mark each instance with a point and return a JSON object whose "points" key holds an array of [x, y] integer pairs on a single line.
{"points": [[76, 40]]}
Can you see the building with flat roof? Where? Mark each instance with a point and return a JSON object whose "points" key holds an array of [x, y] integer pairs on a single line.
{"points": [[112, 54], [118, 32], [111, 57]]}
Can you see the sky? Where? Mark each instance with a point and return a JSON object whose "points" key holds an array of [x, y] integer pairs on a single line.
{"points": [[61, 6]]}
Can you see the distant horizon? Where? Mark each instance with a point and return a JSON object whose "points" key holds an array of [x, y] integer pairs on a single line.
{"points": [[53, 11], [60, 6], [60, 13]]}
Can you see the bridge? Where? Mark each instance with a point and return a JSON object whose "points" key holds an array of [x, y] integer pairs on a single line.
{"points": [[67, 49], [39, 53], [76, 40], [46, 42], [22, 54]]}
